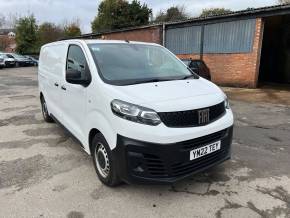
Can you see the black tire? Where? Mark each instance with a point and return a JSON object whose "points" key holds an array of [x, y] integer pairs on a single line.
{"points": [[103, 161], [47, 118]]}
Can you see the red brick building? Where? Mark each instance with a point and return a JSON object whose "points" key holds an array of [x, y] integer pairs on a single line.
{"points": [[7, 40], [243, 48], [144, 34]]}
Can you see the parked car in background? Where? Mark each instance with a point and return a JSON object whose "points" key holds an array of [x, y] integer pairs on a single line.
{"points": [[20, 61], [9, 61], [199, 67], [33, 61], [2, 61]]}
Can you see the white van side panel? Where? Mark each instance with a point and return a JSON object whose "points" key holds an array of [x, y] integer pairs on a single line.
{"points": [[50, 72], [52, 59], [96, 120]]}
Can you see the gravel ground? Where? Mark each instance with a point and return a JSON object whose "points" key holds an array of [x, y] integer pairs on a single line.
{"points": [[44, 173]]}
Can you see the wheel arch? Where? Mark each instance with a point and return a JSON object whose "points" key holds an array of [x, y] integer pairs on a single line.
{"points": [[41, 96], [92, 133], [96, 123]]}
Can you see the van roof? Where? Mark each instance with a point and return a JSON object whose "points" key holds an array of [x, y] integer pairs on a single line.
{"points": [[100, 41]]}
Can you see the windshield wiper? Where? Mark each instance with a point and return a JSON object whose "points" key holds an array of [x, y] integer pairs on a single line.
{"points": [[151, 81], [189, 76], [193, 74]]}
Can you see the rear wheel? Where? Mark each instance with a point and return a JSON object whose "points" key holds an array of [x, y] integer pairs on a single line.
{"points": [[47, 118], [103, 161]]}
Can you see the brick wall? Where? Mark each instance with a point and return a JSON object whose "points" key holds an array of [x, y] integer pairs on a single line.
{"points": [[240, 69], [7, 44], [150, 34]]}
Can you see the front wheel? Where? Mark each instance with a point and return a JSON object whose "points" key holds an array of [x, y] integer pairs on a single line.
{"points": [[103, 161], [47, 118]]}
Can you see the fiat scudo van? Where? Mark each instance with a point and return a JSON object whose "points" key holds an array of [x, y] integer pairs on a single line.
{"points": [[137, 109]]}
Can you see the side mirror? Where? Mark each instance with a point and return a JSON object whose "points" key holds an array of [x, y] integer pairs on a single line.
{"points": [[75, 77]]}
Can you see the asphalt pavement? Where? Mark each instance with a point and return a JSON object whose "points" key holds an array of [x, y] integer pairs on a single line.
{"points": [[45, 173]]}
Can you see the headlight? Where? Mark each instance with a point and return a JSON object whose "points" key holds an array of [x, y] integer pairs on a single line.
{"points": [[227, 103], [135, 113]]}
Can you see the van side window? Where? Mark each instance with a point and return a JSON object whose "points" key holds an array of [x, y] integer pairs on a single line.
{"points": [[76, 60]]}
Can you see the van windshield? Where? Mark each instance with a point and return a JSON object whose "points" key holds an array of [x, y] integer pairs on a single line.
{"points": [[127, 64]]}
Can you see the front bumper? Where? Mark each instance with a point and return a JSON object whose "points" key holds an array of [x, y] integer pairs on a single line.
{"points": [[9, 63], [144, 162]]}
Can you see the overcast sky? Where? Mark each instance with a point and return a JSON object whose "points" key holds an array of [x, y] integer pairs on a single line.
{"points": [[85, 10]]}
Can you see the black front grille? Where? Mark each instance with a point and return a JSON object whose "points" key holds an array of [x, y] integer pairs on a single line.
{"points": [[204, 140], [190, 118], [155, 166]]}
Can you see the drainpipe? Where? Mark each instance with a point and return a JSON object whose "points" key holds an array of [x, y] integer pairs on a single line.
{"points": [[201, 42], [163, 34]]}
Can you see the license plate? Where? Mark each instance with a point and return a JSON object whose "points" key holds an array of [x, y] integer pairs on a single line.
{"points": [[205, 150]]}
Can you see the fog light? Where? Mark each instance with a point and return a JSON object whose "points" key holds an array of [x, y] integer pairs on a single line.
{"points": [[138, 169]]}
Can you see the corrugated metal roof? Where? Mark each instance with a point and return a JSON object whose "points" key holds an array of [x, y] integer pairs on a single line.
{"points": [[252, 11]]}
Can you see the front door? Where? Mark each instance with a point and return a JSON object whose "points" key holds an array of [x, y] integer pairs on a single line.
{"points": [[74, 96]]}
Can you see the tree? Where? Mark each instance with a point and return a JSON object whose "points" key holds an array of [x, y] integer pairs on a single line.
{"points": [[214, 11], [172, 14], [26, 35], [72, 30], [2, 21], [49, 32], [284, 1], [117, 14], [8, 21]]}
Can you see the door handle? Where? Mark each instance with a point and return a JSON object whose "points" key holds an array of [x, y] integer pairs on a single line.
{"points": [[63, 87], [56, 84]]}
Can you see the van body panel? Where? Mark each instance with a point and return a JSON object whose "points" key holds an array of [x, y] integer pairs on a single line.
{"points": [[168, 90], [97, 120], [163, 135], [51, 70], [74, 102]]}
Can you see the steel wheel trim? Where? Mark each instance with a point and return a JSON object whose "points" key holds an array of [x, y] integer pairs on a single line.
{"points": [[102, 160]]}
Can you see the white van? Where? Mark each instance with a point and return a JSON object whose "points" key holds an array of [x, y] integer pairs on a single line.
{"points": [[136, 108]]}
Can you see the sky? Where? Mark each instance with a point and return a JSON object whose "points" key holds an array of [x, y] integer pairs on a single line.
{"points": [[59, 11]]}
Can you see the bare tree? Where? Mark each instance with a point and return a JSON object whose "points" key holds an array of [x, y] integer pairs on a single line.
{"points": [[8, 21], [207, 12], [74, 21], [2, 20], [284, 1], [173, 13]]}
